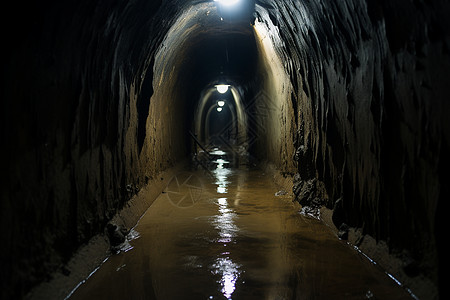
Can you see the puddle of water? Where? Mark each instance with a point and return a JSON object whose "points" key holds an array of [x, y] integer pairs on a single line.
{"points": [[237, 239]]}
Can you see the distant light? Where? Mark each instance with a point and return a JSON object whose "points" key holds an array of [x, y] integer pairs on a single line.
{"points": [[222, 88], [221, 103], [219, 109], [227, 2]]}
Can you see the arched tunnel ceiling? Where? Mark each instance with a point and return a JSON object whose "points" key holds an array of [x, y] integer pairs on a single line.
{"points": [[205, 48]]}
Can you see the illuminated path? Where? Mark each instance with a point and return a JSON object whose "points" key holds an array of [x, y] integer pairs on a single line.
{"points": [[226, 235]]}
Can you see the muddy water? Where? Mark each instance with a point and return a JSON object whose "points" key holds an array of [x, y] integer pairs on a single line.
{"points": [[225, 235]]}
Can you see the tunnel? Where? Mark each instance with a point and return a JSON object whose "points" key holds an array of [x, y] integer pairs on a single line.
{"points": [[345, 103]]}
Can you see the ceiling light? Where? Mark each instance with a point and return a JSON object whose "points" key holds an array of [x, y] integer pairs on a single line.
{"points": [[227, 2], [221, 103], [219, 109], [222, 88]]}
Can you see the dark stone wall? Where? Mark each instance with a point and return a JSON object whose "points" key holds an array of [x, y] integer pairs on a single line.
{"points": [[71, 137], [370, 81]]}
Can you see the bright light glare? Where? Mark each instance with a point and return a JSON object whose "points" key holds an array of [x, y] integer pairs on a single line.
{"points": [[221, 103], [219, 109], [222, 88], [227, 2]]}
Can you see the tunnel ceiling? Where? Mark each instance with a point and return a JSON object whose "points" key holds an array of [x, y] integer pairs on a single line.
{"points": [[207, 46], [213, 56]]}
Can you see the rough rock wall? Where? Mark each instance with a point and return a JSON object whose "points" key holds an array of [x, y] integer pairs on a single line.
{"points": [[270, 107], [76, 89], [370, 83]]}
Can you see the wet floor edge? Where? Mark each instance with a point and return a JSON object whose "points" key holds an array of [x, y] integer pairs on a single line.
{"points": [[375, 252], [90, 256]]}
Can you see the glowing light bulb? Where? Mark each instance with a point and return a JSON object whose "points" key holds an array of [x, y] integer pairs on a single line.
{"points": [[219, 109], [222, 88], [227, 2], [221, 103]]}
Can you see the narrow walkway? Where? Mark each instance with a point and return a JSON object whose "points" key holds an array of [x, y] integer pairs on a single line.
{"points": [[225, 235]]}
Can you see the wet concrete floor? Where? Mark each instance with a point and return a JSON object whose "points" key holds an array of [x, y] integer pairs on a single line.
{"points": [[225, 235]]}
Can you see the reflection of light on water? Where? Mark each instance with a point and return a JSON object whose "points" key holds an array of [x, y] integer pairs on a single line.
{"points": [[224, 266], [224, 223], [221, 174], [223, 202], [217, 152], [229, 271], [221, 190]]}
